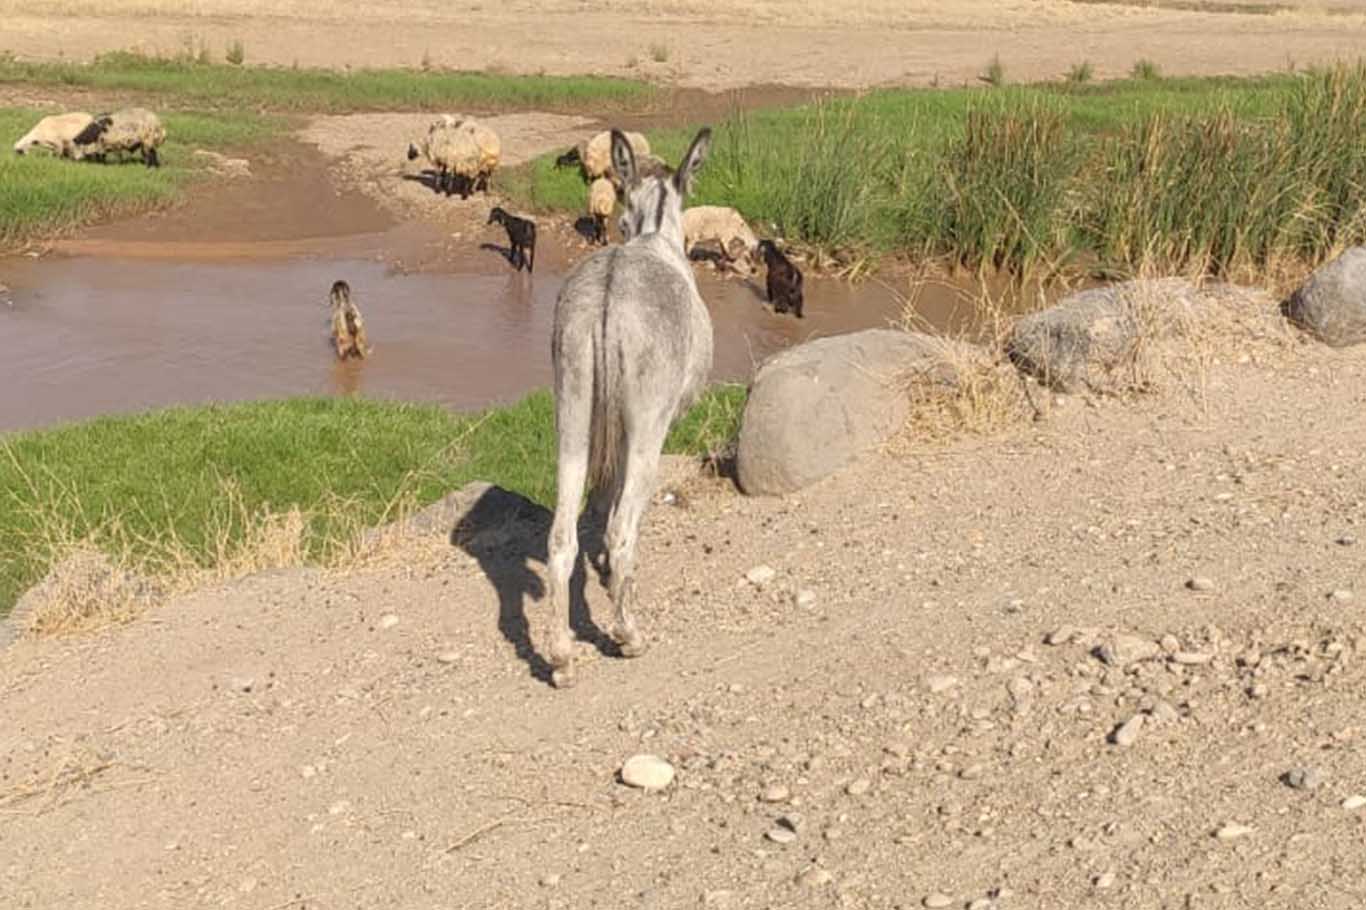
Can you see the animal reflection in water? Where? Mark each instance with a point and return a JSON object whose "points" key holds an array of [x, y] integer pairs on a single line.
{"points": [[348, 329]]}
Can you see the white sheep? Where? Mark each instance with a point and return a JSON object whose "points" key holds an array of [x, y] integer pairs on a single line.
{"points": [[56, 133], [722, 225], [465, 153], [133, 129], [595, 154], [602, 199]]}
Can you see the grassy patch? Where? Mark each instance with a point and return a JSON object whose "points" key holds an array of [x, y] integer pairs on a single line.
{"points": [[1024, 177], [42, 194], [190, 82], [202, 477]]}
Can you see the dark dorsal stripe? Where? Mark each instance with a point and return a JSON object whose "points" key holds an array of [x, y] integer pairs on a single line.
{"points": [[659, 209]]}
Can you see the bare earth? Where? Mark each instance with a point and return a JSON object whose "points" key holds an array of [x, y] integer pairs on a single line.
{"points": [[384, 738], [710, 43]]}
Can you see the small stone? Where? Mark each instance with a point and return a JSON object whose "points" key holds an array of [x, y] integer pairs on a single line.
{"points": [[339, 807], [833, 833], [760, 575], [1105, 880], [781, 835], [775, 793], [1170, 643], [1346, 540], [1123, 650], [815, 877], [941, 683], [718, 898], [859, 787], [1342, 595], [647, 772], [1192, 658], [1200, 584], [1353, 803], [1304, 778], [388, 621], [550, 881], [869, 702], [791, 821], [248, 885], [938, 900], [1232, 831], [982, 903], [1060, 636], [972, 772], [241, 684], [1258, 690], [806, 598], [1164, 713], [448, 657], [307, 772], [1126, 734]]}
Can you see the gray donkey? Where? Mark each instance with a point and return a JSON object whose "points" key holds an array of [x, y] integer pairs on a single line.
{"points": [[632, 347]]}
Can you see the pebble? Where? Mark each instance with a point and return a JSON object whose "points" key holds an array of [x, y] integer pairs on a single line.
{"points": [[448, 657], [1342, 595], [1123, 650], [939, 683], [1164, 713], [1346, 540], [388, 621], [776, 793], [1304, 778], [1060, 636], [859, 787], [972, 772], [982, 903], [806, 598], [1353, 803], [647, 772], [1200, 584], [1105, 880], [717, 898], [938, 900], [815, 877], [760, 575], [241, 683], [1192, 658], [339, 807], [1127, 733], [1232, 831], [550, 881], [781, 835], [792, 821]]}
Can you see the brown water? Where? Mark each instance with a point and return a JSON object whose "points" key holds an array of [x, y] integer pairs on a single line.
{"points": [[146, 325]]}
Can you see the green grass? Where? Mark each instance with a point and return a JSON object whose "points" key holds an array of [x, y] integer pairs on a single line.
{"points": [[188, 82], [41, 194], [1026, 177], [1081, 72], [162, 475]]}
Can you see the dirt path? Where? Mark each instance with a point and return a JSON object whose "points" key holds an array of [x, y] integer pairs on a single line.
{"points": [[281, 742], [711, 44]]}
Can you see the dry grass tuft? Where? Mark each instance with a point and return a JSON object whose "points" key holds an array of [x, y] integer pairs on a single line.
{"points": [[85, 589]]}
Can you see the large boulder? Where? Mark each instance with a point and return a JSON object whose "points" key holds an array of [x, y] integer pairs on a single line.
{"points": [[1082, 340], [1331, 305], [814, 408]]}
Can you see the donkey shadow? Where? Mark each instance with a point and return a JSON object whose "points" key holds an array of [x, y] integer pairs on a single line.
{"points": [[506, 534]]}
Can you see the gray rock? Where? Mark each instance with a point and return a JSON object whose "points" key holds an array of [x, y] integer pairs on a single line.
{"points": [[1126, 734], [1304, 778], [1331, 305], [816, 407], [647, 772], [936, 901], [1084, 339], [781, 835], [1200, 584], [1122, 650]]}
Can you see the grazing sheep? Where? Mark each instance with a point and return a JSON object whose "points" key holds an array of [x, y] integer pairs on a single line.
{"points": [[595, 154], [602, 198], [722, 225], [521, 237], [348, 330], [56, 133], [464, 152], [631, 348], [784, 280], [133, 129]]}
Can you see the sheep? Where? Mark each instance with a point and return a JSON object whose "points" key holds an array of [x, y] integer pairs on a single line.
{"points": [[56, 133], [133, 129], [602, 198], [595, 154], [521, 237], [348, 330], [465, 153], [784, 280], [721, 224]]}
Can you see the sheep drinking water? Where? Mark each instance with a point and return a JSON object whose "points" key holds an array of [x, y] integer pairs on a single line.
{"points": [[133, 129], [56, 133], [348, 329], [631, 348], [464, 152], [721, 225]]}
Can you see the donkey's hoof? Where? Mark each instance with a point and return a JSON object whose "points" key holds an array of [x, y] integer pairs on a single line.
{"points": [[630, 642], [563, 678]]}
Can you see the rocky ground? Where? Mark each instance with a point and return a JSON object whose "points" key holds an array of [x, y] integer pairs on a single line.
{"points": [[1113, 658]]}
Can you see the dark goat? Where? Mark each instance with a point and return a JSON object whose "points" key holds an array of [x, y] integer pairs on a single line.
{"points": [[521, 237], [784, 280]]}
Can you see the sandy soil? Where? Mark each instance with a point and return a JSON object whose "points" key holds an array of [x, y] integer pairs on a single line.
{"points": [[384, 737], [709, 43]]}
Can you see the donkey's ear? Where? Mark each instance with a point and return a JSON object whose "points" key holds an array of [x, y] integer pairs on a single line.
{"points": [[692, 161], [623, 159]]}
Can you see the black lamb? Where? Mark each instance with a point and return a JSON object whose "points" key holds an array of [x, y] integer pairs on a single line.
{"points": [[784, 280], [521, 237]]}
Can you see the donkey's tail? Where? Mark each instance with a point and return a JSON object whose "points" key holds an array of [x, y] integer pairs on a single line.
{"points": [[607, 427]]}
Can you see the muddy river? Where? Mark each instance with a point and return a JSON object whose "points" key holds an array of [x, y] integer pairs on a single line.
{"points": [[145, 325]]}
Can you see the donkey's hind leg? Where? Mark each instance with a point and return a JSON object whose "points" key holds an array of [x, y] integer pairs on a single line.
{"points": [[573, 424], [623, 531]]}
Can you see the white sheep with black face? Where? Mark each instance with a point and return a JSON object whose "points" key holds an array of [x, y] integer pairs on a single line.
{"points": [[132, 130], [723, 226], [56, 133]]}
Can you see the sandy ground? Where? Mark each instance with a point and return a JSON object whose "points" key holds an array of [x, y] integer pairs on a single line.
{"points": [[384, 737], [708, 43]]}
